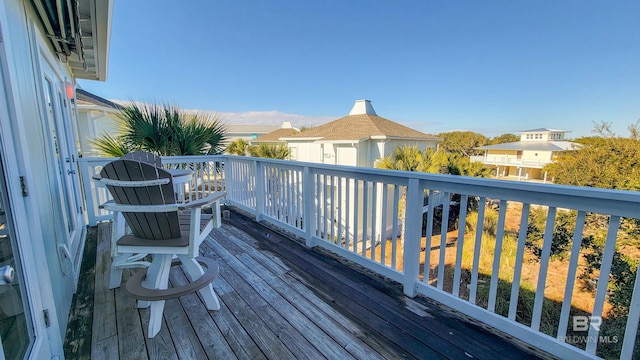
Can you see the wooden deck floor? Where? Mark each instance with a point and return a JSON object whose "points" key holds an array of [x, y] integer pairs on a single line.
{"points": [[279, 301]]}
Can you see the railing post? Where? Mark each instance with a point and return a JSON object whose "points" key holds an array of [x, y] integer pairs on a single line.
{"points": [[309, 201], [89, 203], [412, 236], [260, 190]]}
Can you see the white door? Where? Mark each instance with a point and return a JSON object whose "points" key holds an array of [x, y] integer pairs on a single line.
{"points": [[16, 332], [57, 110]]}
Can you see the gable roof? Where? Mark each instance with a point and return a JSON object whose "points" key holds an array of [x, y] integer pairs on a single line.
{"points": [[87, 98], [360, 127], [275, 136], [534, 145], [544, 130]]}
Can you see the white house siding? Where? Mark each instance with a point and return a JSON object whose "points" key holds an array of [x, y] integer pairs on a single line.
{"points": [[307, 151], [92, 124], [347, 155], [39, 224]]}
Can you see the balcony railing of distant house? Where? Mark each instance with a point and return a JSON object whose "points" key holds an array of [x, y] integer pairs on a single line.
{"points": [[354, 212], [510, 161]]}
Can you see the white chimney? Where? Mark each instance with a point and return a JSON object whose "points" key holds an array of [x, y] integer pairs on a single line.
{"points": [[362, 107]]}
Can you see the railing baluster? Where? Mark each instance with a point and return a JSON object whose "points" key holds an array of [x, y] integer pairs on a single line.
{"points": [[347, 228], [544, 267], [476, 251], [374, 218], [340, 215], [515, 285], [631, 330], [497, 253], [365, 217], [571, 276], [356, 212], [603, 281], [383, 221], [462, 223], [444, 229], [429, 232], [394, 226]]}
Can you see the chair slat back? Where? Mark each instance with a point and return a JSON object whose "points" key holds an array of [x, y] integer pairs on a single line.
{"points": [[144, 156], [145, 225]]}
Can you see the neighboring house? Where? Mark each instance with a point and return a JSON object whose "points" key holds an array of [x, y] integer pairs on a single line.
{"points": [[524, 159], [96, 116], [275, 137], [246, 132], [45, 46], [358, 139]]}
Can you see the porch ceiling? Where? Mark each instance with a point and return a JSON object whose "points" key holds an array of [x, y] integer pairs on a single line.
{"points": [[79, 32]]}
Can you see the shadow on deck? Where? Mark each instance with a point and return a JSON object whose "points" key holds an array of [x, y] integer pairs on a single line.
{"points": [[279, 300]]}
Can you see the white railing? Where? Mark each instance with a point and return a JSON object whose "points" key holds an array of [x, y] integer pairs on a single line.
{"points": [[355, 212], [510, 161]]}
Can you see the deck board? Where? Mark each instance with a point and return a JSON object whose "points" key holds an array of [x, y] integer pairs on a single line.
{"points": [[279, 300]]}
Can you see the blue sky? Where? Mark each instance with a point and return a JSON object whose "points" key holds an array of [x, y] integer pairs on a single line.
{"points": [[489, 66]]}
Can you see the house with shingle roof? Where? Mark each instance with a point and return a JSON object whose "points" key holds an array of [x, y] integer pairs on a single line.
{"points": [[358, 139], [525, 159]]}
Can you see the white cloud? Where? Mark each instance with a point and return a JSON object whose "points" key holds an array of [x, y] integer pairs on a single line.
{"points": [[271, 117]]}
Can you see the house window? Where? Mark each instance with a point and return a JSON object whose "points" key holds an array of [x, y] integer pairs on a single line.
{"points": [[528, 136]]}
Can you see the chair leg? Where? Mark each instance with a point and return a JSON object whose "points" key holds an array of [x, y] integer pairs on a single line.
{"points": [[115, 275], [194, 270], [157, 278]]}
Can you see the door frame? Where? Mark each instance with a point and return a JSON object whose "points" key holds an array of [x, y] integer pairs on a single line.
{"points": [[29, 250], [73, 247]]}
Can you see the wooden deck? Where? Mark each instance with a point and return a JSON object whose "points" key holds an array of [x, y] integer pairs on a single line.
{"points": [[279, 300]]}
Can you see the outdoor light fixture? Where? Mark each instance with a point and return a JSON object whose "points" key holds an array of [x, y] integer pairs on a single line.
{"points": [[71, 92]]}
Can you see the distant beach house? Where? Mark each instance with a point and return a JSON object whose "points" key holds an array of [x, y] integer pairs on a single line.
{"points": [[275, 136], [525, 159], [358, 139], [246, 132]]}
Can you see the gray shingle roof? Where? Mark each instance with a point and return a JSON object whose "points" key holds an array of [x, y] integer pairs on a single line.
{"points": [[534, 145], [85, 97], [361, 126], [275, 136], [543, 130]]}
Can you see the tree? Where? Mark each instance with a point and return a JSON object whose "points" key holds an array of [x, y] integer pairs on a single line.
{"points": [[270, 151], [238, 147], [610, 162], [163, 130], [461, 142], [504, 138]]}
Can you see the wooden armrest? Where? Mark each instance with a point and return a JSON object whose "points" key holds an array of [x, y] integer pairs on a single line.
{"points": [[214, 196], [111, 206]]}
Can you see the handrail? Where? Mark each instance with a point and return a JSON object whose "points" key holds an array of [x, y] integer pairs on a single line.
{"points": [[358, 213]]}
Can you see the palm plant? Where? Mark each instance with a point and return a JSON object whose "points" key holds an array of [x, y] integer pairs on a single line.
{"points": [[239, 147], [271, 151], [163, 130]]}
